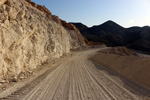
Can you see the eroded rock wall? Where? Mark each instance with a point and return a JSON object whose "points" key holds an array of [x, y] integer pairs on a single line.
{"points": [[29, 38]]}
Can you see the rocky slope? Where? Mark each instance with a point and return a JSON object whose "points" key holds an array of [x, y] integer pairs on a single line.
{"points": [[112, 34], [30, 35]]}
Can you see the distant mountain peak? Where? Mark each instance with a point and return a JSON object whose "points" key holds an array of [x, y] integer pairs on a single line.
{"points": [[108, 26], [110, 23]]}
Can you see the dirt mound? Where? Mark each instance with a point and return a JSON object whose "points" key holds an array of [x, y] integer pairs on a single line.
{"points": [[122, 51], [134, 68]]}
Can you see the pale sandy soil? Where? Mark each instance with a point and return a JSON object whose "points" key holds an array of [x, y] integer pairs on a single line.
{"points": [[78, 78], [133, 67]]}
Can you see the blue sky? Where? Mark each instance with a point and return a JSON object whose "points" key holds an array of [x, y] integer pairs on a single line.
{"points": [[94, 12]]}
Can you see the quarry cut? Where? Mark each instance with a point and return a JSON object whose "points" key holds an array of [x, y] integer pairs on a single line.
{"points": [[30, 35]]}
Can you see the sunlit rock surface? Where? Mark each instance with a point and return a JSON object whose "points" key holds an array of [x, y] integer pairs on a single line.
{"points": [[30, 35]]}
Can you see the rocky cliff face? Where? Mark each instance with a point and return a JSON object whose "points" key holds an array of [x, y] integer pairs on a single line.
{"points": [[30, 36]]}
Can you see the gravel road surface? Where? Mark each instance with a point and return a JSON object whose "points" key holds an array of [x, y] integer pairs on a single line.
{"points": [[78, 78]]}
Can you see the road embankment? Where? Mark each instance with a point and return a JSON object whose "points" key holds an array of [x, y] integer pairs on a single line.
{"points": [[134, 68]]}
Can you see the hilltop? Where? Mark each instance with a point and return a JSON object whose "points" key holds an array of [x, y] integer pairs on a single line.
{"points": [[113, 34]]}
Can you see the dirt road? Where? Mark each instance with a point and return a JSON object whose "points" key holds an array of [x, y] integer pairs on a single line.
{"points": [[78, 78]]}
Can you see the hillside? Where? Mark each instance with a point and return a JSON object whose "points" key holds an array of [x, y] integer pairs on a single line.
{"points": [[80, 26], [112, 34], [30, 36]]}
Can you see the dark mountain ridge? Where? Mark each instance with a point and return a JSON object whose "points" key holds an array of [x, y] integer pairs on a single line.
{"points": [[80, 26], [108, 26], [113, 34]]}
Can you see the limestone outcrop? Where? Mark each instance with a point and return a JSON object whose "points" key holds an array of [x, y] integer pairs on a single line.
{"points": [[2, 1], [30, 35]]}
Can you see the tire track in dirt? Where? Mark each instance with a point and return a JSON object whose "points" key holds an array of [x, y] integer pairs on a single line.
{"points": [[77, 78]]}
